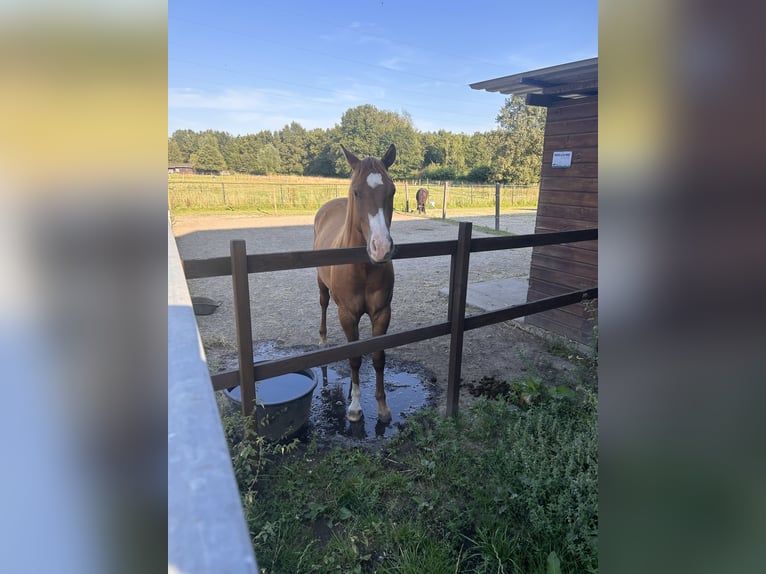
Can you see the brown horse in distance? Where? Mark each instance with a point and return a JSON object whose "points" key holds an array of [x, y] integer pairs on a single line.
{"points": [[361, 219], [422, 198]]}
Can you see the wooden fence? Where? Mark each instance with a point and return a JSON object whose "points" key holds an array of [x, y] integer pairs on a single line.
{"points": [[239, 265], [275, 197]]}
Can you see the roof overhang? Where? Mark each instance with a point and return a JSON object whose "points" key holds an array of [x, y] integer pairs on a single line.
{"points": [[548, 85]]}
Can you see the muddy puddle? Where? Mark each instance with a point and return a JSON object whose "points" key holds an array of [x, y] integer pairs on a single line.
{"points": [[408, 386]]}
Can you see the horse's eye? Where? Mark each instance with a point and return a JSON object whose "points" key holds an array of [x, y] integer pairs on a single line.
{"points": [[356, 193]]}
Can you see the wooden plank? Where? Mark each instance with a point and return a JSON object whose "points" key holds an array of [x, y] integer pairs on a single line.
{"points": [[573, 109], [571, 141], [582, 333], [267, 262], [458, 291], [541, 100], [577, 268], [517, 241], [575, 198], [568, 212], [213, 267], [268, 369], [575, 313], [239, 279], [554, 224], [581, 184], [572, 252], [527, 309], [577, 169], [566, 280], [579, 126]]}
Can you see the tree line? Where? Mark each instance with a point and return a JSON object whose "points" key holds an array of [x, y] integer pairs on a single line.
{"points": [[511, 153]]}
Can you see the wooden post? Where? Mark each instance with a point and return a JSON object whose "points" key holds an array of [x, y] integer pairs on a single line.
{"points": [[223, 192], [457, 295], [406, 198], [497, 206], [444, 202], [239, 280]]}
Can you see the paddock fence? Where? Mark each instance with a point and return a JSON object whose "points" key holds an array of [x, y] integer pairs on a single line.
{"points": [[239, 265], [276, 197]]}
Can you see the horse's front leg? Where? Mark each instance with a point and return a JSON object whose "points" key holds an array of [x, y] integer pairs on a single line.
{"points": [[380, 323], [350, 323], [324, 301]]}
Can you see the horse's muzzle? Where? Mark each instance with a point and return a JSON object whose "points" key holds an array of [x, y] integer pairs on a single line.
{"points": [[380, 253]]}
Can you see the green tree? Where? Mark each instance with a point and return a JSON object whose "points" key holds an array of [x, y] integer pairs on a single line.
{"points": [[518, 157], [174, 152], [321, 146], [209, 158], [479, 150], [232, 154], [291, 143], [433, 149], [367, 131], [188, 142], [268, 160]]}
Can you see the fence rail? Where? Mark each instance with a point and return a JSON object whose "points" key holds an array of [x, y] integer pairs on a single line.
{"points": [[273, 197], [239, 265]]}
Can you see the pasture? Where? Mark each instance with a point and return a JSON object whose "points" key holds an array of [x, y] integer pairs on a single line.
{"points": [[274, 195], [510, 485]]}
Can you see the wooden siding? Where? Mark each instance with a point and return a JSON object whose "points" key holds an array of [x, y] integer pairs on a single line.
{"points": [[568, 201]]}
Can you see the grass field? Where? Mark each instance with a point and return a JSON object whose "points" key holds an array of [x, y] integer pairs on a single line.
{"points": [[297, 194], [510, 485]]}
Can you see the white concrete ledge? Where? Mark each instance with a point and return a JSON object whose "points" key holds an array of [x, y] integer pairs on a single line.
{"points": [[207, 532]]}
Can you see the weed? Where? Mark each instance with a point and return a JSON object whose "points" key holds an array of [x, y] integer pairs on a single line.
{"points": [[504, 487]]}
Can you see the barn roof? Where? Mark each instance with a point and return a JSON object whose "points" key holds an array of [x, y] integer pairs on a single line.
{"points": [[548, 85]]}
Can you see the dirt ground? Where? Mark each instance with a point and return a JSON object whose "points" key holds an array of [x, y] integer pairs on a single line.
{"points": [[286, 303]]}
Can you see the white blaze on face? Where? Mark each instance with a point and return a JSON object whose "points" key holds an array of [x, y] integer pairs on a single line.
{"points": [[374, 180], [380, 243]]}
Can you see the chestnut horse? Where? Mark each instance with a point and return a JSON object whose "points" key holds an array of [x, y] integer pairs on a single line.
{"points": [[361, 219]]}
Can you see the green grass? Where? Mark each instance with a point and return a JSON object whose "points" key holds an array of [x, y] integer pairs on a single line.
{"points": [[500, 488]]}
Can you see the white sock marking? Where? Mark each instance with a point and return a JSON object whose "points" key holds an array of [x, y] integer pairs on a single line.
{"points": [[355, 405]]}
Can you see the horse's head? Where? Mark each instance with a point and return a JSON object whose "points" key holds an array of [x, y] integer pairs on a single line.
{"points": [[371, 202]]}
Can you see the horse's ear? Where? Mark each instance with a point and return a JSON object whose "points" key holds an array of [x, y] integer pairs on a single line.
{"points": [[350, 157], [388, 159]]}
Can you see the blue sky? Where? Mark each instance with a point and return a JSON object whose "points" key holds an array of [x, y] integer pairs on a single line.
{"points": [[244, 67]]}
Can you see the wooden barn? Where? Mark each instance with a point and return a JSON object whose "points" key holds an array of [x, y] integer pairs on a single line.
{"points": [[568, 188], [180, 168]]}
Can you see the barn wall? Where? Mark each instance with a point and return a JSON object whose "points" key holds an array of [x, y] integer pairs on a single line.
{"points": [[568, 200]]}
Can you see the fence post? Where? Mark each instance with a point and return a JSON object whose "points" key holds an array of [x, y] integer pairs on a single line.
{"points": [[444, 202], [497, 206], [223, 192], [240, 283], [456, 312], [406, 198]]}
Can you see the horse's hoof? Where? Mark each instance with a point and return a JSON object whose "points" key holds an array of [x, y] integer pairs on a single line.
{"points": [[354, 416], [384, 418]]}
